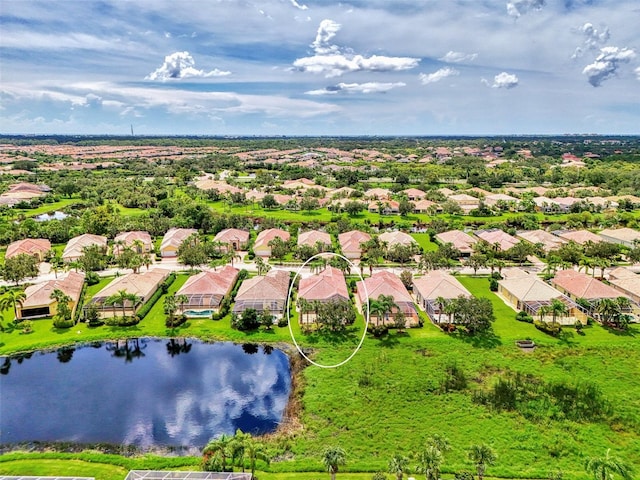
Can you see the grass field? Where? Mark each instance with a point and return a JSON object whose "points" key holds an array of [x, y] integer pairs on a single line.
{"points": [[389, 398]]}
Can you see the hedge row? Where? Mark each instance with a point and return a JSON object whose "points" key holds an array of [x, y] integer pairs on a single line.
{"points": [[164, 287]]}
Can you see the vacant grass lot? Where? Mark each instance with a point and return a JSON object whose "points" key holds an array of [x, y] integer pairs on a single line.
{"points": [[389, 397]]}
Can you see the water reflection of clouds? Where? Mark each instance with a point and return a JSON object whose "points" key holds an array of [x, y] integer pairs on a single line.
{"points": [[182, 400]]}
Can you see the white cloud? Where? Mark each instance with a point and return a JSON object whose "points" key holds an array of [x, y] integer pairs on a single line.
{"points": [[607, 63], [331, 62], [181, 65], [427, 78], [637, 70], [593, 38], [516, 8], [369, 87], [503, 80], [458, 57], [297, 5], [326, 31]]}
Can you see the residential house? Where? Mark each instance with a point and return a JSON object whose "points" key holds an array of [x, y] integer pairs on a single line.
{"points": [[38, 302], [311, 238], [388, 284], [397, 238], [378, 194], [549, 241], [627, 282], [424, 206], [23, 191], [431, 288], [502, 240], [261, 246], [206, 290], [173, 239], [626, 237], [465, 202], [389, 207], [414, 194], [75, 247], [579, 236], [326, 287], [38, 247], [268, 292], [142, 285], [233, 239], [493, 199], [140, 242], [350, 243], [527, 292], [458, 239]]}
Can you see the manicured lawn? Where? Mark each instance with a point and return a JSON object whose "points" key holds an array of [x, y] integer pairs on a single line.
{"points": [[48, 207], [68, 468], [425, 242]]}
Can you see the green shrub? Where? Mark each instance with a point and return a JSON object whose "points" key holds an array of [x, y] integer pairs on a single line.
{"points": [[92, 278], [455, 379], [552, 329], [61, 322], [493, 284], [523, 316]]}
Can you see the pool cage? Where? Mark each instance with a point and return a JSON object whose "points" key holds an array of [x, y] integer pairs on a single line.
{"points": [[575, 311]]}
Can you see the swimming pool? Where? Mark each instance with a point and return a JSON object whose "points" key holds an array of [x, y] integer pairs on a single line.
{"points": [[198, 313]]}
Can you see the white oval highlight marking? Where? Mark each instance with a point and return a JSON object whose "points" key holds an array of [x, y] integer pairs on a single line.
{"points": [[366, 325]]}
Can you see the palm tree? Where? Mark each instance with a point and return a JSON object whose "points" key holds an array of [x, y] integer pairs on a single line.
{"points": [[332, 458], [254, 451], [170, 307], [481, 455], [429, 461], [398, 465], [262, 266], [182, 300], [121, 298], [604, 468], [558, 309], [62, 300], [387, 304], [12, 299], [221, 447], [442, 303]]}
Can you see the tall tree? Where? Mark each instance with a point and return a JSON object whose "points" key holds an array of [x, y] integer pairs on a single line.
{"points": [[332, 458], [398, 465], [20, 267], [607, 467], [429, 462], [482, 456], [11, 299]]}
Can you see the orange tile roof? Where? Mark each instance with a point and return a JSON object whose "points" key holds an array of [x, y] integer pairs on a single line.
{"points": [[325, 286], [581, 285]]}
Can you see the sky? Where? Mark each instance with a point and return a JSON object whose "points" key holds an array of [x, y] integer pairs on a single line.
{"points": [[320, 67]]}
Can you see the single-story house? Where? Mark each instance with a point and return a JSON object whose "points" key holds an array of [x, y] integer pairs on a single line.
{"points": [[579, 236], [261, 246], [206, 290], [434, 286], [38, 247], [422, 206], [414, 194], [627, 282], [38, 302], [75, 247], [235, 238], [492, 199], [397, 238], [529, 293], [326, 286], [264, 292], [464, 201], [388, 284], [549, 241], [140, 241], [312, 237], [626, 237], [388, 207], [173, 239], [378, 193], [142, 285], [502, 239], [23, 191], [459, 239], [350, 243], [220, 187]]}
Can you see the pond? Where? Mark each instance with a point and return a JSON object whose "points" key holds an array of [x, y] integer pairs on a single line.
{"points": [[143, 392], [57, 215]]}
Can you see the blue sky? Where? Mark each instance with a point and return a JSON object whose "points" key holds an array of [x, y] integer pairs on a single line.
{"points": [[320, 67]]}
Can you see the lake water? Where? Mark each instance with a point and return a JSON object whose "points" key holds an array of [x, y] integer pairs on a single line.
{"points": [[145, 392], [57, 215]]}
